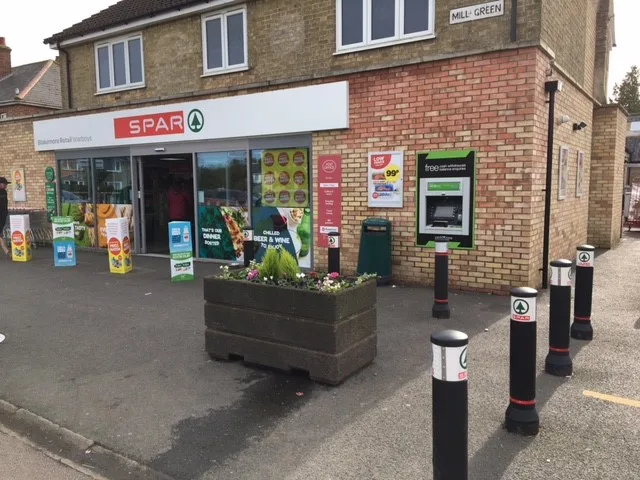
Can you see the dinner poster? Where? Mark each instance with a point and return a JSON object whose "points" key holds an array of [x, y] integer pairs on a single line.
{"points": [[220, 232], [285, 178]]}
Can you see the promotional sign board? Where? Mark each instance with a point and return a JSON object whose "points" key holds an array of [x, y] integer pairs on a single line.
{"points": [[119, 245], [329, 196], [20, 238], [285, 178], [19, 187], [385, 179], [287, 228], [181, 251], [64, 244], [446, 196]]}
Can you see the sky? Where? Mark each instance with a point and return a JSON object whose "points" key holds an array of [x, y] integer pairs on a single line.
{"points": [[24, 32]]}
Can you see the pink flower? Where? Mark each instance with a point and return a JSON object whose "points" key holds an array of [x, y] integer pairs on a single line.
{"points": [[313, 275], [252, 275], [334, 276]]}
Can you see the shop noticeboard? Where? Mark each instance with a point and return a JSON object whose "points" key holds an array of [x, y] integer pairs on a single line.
{"points": [[20, 227], [19, 187], [285, 178], [119, 245], [385, 179], [329, 197], [446, 198], [64, 245], [181, 251]]}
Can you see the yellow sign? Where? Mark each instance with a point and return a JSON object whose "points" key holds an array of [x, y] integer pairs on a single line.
{"points": [[119, 245], [285, 178], [392, 174], [20, 238]]}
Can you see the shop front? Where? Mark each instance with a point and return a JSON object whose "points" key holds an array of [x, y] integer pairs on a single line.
{"points": [[221, 164]]}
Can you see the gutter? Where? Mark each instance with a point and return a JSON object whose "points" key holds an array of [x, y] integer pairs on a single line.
{"points": [[514, 20], [67, 75]]}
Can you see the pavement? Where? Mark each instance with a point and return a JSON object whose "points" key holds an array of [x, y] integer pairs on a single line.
{"points": [[110, 373]]}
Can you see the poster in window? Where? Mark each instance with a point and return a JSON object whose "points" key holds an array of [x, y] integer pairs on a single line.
{"points": [[563, 174], [286, 228], [19, 188], [285, 178], [579, 174], [220, 234], [84, 222], [385, 179], [106, 211]]}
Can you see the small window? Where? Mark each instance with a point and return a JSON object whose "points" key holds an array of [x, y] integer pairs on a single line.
{"points": [[224, 42], [119, 64], [370, 23]]}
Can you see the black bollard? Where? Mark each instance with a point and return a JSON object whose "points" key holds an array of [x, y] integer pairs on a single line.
{"points": [[521, 416], [558, 361], [334, 252], [441, 283], [581, 328], [248, 247], [450, 405]]}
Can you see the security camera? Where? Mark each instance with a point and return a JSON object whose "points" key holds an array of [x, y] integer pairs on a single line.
{"points": [[579, 126]]}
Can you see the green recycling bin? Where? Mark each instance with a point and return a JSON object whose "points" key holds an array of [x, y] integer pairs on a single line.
{"points": [[375, 249]]}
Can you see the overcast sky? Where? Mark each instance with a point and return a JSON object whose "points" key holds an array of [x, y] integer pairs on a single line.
{"points": [[35, 20]]}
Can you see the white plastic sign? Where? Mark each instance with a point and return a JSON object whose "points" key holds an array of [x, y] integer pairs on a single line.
{"points": [[523, 309], [585, 259], [449, 363], [561, 276]]}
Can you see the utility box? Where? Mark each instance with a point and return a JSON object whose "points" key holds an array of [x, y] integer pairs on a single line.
{"points": [[375, 249]]}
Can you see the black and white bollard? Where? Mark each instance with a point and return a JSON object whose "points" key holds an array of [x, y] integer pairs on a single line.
{"points": [[248, 247], [441, 283], [334, 252], [581, 328], [450, 405], [521, 416], [558, 361]]}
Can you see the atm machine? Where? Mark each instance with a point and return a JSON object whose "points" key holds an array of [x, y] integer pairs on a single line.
{"points": [[445, 205]]}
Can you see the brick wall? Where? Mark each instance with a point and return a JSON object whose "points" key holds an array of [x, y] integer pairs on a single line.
{"points": [[20, 110], [605, 202], [287, 41], [18, 151], [568, 224], [484, 102]]}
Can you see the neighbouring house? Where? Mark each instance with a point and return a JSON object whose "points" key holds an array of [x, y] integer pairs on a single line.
{"points": [[487, 124], [28, 89]]}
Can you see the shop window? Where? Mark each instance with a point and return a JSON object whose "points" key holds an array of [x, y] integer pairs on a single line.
{"points": [[280, 193], [373, 23], [224, 40], [119, 64], [114, 194], [222, 204]]}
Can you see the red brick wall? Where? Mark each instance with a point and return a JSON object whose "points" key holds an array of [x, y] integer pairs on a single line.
{"points": [[483, 102], [14, 111]]}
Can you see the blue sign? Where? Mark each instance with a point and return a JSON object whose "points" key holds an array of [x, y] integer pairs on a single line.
{"points": [[180, 237], [64, 245]]}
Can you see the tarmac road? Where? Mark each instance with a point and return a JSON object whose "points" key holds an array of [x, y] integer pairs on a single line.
{"points": [[119, 360]]}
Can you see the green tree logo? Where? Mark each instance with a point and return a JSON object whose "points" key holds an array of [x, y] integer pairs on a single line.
{"points": [[195, 120], [520, 306], [585, 257]]}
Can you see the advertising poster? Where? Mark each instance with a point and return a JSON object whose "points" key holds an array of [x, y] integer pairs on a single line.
{"points": [[19, 188], [579, 174], [50, 199], [288, 228], [119, 245], [181, 251], [446, 198], [329, 197], [385, 179], [64, 245], [285, 178], [20, 238], [220, 235], [105, 211], [83, 221], [563, 174]]}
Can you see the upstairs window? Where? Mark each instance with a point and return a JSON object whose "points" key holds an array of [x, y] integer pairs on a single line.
{"points": [[119, 64], [224, 42], [369, 23]]}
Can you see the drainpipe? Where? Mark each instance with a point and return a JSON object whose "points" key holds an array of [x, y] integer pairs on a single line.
{"points": [[514, 20], [68, 77], [551, 88]]}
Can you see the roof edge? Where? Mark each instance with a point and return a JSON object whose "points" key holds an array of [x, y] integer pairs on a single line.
{"points": [[34, 81]]}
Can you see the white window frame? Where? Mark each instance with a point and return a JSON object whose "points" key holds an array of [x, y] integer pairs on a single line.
{"points": [[225, 68], [109, 44], [368, 43]]}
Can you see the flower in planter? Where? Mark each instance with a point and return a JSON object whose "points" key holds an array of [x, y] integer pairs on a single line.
{"points": [[252, 275], [334, 275]]}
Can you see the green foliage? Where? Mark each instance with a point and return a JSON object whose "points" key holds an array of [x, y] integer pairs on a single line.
{"points": [[627, 93], [270, 266], [288, 265]]}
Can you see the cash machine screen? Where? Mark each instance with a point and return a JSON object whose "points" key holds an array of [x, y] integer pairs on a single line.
{"points": [[444, 212]]}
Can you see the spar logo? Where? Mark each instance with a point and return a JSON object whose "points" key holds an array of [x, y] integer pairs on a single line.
{"points": [[195, 120], [150, 125], [520, 309]]}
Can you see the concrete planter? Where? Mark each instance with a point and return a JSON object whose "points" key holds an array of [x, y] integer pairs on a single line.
{"points": [[331, 336]]}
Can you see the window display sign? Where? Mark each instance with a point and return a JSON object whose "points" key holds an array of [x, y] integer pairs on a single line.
{"points": [[385, 179], [221, 235], [329, 197], [181, 251], [288, 228], [445, 203], [19, 188], [64, 245], [83, 221], [285, 178]]}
